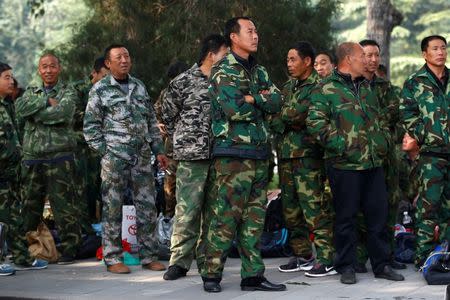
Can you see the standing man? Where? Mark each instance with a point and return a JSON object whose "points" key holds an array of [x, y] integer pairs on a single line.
{"points": [[305, 208], [10, 153], [186, 109], [120, 125], [344, 118], [242, 95], [388, 100], [425, 112], [48, 155], [86, 161]]}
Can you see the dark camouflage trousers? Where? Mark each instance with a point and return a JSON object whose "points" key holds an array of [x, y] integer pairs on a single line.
{"points": [[195, 188], [433, 204], [170, 188], [10, 215], [306, 208], [117, 175], [238, 212], [54, 181]]}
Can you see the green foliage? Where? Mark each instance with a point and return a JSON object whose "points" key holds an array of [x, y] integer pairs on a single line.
{"points": [[158, 31]]}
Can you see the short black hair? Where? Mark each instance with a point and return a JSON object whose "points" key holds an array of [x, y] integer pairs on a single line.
{"points": [[4, 67], [175, 68], [109, 48], [305, 49], [211, 43], [329, 54], [232, 26], [367, 42], [428, 39], [99, 63]]}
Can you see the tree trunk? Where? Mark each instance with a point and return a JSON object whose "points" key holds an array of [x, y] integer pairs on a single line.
{"points": [[382, 17]]}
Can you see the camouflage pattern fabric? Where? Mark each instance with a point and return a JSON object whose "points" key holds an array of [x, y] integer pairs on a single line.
{"points": [[54, 180], [425, 111], [192, 214], [306, 209], [239, 210], [239, 127], [121, 126], [48, 129], [409, 177], [296, 142], [186, 113], [116, 173], [345, 122]]}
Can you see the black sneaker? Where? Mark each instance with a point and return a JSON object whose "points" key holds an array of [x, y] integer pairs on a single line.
{"points": [[297, 264], [174, 272], [66, 260], [320, 270]]}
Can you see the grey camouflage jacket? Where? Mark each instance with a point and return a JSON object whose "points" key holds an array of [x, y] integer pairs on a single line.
{"points": [[123, 124], [186, 112]]}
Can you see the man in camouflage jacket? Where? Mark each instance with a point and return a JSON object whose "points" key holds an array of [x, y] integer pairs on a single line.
{"points": [[344, 118], [242, 95], [186, 110], [302, 172], [425, 112], [120, 125], [48, 160]]}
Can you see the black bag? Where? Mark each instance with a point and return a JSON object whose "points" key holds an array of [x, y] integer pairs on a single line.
{"points": [[405, 247], [89, 246]]}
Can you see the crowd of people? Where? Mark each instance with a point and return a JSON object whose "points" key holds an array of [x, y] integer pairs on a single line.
{"points": [[336, 126]]}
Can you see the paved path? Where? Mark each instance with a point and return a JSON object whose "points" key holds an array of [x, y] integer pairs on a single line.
{"points": [[88, 279]]}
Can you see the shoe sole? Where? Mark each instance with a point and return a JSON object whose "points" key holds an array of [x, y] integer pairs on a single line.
{"points": [[127, 272], [348, 282], [65, 263], [7, 274], [175, 278], [31, 268], [299, 269], [321, 275], [252, 288], [389, 278]]}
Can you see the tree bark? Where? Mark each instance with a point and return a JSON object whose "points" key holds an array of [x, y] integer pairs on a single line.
{"points": [[382, 17]]}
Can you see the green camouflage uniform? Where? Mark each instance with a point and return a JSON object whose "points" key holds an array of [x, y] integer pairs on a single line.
{"points": [[304, 206], [241, 151], [409, 178], [48, 162], [186, 111], [10, 152], [87, 163], [425, 112], [170, 175], [120, 125], [388, 100]]}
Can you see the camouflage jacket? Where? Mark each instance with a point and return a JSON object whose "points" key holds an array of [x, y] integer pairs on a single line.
{"points": [[344, 118], [186, 113], [123, 124], [389, 101], [425, 112], [82, 88], [48, 129], [240, 129], [296, 141], [9, 141]]}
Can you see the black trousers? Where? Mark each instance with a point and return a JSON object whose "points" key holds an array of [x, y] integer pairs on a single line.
{"points": [[352, 191]]}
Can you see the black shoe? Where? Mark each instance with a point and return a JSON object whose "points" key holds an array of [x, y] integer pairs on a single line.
{"points": [[397, 265], [348, 276], [212, 287], [260, 284], [66, 260], [296, 264], [389, 274], [321, 270], [174, 272], [360, 268]]}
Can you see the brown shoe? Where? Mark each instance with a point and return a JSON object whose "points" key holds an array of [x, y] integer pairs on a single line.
{"points": [[119, 268], [154, 266]]}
